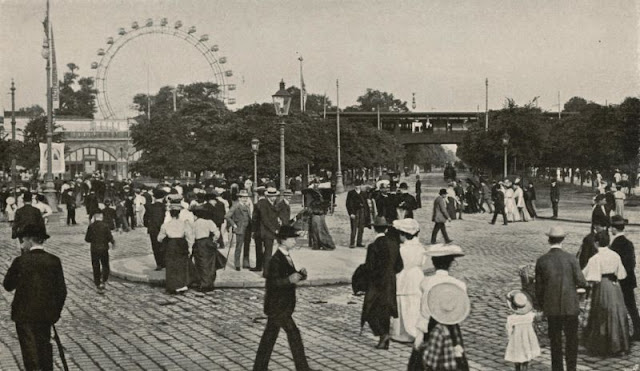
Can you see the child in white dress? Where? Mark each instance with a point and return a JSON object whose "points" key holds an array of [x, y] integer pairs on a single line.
{"points": [[523, 343]]}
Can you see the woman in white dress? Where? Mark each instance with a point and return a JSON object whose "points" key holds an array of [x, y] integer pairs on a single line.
{"points": [[518, 195], [510, 203], [408, 294]]}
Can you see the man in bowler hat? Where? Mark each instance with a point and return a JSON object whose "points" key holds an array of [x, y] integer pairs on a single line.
{"points": [[280, 301], [558, 275], [621, 245], [153, 220], [25, 216], [38, 280]]}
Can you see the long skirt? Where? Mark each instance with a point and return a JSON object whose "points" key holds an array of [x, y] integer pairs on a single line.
{"points": [[319, 237], [620, 207], [204, 256], [451, 207], [403, 328], [177, 264], [378, 309], [607, 331]]}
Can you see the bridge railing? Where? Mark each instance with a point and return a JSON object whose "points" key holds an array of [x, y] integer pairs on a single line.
{"points": [[96, 135]]}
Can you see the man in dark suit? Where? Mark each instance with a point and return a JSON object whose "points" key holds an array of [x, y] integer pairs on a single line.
{"points": [[600, 214], [440, 216], [418, 192], [38, 279], [358, 210], [380, 302], [153, 219], [265, 217], [280, 302], [91, 203], [497, 196], [406, 202], [284, 208], [626, 250], [558, 276], [554, 194], [215, 211], [70, 202], [25, 216]]}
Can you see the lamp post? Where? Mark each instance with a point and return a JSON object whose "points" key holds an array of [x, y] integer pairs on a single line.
{"points": [[339, 184], [255, 145], [14, 170], [505, 144], [49, 188], [281, 102]]}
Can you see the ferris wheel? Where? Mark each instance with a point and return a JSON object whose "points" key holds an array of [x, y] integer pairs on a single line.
{"points": [[221, 76]]}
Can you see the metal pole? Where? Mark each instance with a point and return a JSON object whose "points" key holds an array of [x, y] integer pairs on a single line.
{"points": [[49, 187], [175, 92], [255, 177], [505, 162], [324, 106], [339, 185], [282, 170], [379, 123], [486, 105], [559, 110], [301, 86], [14, 170]]}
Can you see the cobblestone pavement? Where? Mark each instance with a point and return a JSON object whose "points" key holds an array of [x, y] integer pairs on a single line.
{"points": [[136, 326]]}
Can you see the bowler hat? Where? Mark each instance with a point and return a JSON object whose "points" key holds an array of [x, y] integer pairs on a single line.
{"points": [[442, 192], [158, 193], [404, 185], [287, 231], [556, 231], [35, 231], [618, 220]]}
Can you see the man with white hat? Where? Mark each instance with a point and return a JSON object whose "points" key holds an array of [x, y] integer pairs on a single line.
{"points": [[558, 275]]}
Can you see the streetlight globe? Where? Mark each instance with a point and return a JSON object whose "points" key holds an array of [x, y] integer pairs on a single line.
{"points": [[282, 100], [505, 139], [255, 145]]}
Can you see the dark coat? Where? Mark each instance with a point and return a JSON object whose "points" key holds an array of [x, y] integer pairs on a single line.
{"points": [[558, 275], [498, 199], [554, 193], [110, 217], [38, 280], [215, 213], [265, 218], [280, 294], [99, 236], [407, 202], [418, 187], [154, 217], [91, 203], [382, 264], [600, 217], [440, 214], [284, 212], [587, 250], [357, 202], [26, 215], [626, 250]]}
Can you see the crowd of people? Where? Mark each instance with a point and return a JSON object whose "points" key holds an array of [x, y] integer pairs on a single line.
{"points": [[187, 225]]}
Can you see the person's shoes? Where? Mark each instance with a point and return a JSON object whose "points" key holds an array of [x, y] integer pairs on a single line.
{"points": [[158, 269], [360, 245], [255, 269], [383, 343], [492, 223], [238, 269], [101, 286], [450, 241], [352, 246]]}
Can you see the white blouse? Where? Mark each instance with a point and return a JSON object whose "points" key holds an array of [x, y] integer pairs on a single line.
{"points": [[176, 228], [605, 261]]}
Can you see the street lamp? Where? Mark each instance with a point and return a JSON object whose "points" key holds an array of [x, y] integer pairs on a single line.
{"points": [[505, 144], [281, 102], [255, 145], [49, 188]]}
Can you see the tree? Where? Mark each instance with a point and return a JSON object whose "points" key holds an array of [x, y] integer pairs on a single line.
{"points": [[575, 104], [31, 111], [79, 101], [373, 99]]}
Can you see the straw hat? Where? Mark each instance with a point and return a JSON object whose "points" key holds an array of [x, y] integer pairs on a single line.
{"points": [[409, 226], [243, 193], [271, 191], [556, 232], [444, 250], [448, 303], [519, 301]]}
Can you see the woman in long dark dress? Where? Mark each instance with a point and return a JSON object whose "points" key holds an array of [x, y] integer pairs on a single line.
{"points": [[319, 236], [607, 331], [178, 236]]}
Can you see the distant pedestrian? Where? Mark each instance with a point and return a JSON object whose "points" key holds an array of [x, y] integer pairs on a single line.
{"points": [[498, 203], [239, 218], [418, 192], [554, 194], [179, 239], [280, 302], [406, 203], [359, 215], [70, 203], [121, 217], [109, 215], [99, 236], [557, 278], [485, 197], [619, 201], [530, 201], [38, 279], [523, 344], [153, 219], [266, 219], [204, 250], [25, 216], [599, 213], [440, 216]]}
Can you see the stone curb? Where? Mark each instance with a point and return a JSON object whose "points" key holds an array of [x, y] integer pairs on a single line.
{"points": [[118, 270]]}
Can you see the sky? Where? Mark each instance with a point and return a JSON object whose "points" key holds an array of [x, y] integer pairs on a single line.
{"points": [[441, 50]]}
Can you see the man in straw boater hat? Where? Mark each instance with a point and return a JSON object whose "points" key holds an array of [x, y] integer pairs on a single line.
{"points": [[265, 219], [239, 218], [621, 245], [382, 263], [444, 305], [280, 302], [38, 279], [557, 277]]}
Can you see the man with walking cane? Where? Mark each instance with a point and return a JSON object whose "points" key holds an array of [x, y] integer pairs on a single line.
{"points": [[38, 279]]}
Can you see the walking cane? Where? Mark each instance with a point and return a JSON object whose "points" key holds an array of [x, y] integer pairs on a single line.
{"points": [[65, 367], [233, 235]]}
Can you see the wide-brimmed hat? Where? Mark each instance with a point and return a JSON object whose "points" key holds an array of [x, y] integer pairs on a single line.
{"points": [[519, 301], [619, 220], [448, 303], [35, 231], [243, 193], [287, 231], [380, 221], [176, 206], [441, 249], [409, 226], [556, 231], [271, 191]]}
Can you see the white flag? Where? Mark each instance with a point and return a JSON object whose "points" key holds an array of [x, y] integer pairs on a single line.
{"points": [[57, 158]]}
